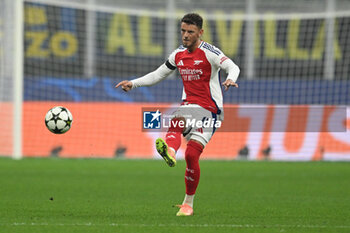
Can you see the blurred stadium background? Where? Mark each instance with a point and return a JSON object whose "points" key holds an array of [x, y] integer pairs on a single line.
{"points": [[294, 58]]}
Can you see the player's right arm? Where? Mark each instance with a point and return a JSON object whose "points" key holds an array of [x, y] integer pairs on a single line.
{"points": [[149, 79], [125, 84], [152, 78]]}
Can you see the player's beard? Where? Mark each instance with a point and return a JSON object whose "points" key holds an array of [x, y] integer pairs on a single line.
{"points": [[185, 43], [188, 43]]}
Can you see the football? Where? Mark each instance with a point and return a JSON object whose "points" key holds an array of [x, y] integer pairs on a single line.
{"points": [[58, 120]]}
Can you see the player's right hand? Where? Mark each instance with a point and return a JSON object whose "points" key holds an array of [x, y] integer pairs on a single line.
{"points": [[126, 85]]}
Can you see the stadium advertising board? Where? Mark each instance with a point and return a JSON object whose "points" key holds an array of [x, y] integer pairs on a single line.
{"points": [[266, 132]]}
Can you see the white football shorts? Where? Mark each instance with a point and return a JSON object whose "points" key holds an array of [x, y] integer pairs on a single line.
{"points": [[200, 123]]}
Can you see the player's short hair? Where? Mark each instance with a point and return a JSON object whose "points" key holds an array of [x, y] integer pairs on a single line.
{"points": [[193, 18]]}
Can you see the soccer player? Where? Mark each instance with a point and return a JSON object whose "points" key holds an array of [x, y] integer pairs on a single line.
{"points": [[199, 64]]}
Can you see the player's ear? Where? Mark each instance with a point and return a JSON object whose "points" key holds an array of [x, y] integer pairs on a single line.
{"points": [[201, 32]]}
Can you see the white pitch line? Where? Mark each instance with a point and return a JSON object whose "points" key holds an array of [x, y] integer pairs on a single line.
{"points": [[175, 225]]}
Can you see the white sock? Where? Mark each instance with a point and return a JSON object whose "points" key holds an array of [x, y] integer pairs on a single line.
{"points": [[188, 200]]}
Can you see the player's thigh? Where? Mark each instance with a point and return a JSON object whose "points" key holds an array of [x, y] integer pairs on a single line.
{"points": [[202, 125]]}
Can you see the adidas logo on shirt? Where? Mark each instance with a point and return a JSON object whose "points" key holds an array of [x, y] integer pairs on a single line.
{"points": [[180, 63]]}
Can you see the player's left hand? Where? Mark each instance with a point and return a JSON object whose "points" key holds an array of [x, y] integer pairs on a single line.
{"points": [[229, 83]]}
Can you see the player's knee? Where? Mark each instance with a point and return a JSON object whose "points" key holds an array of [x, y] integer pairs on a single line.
{"points": [[193, 151], [177, 124], [196, 144]]}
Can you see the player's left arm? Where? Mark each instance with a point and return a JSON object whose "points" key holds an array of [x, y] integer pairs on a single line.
{"points": [[232, 71]]}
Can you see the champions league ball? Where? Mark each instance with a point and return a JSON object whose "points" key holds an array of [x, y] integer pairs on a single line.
{"points": [[58, 120]]}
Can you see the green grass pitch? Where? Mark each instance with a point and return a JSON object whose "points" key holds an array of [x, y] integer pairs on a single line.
{"points": [[98, 195]]}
